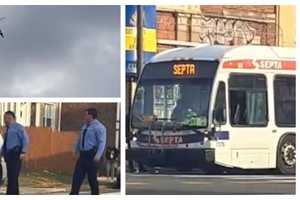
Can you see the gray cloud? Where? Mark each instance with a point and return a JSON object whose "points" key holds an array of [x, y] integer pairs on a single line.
{"points": [[60, 51]]}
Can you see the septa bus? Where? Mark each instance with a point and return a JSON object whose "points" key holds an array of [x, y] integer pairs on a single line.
{"points": [[233, 106]]}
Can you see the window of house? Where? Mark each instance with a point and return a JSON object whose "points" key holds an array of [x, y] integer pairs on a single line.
{"points": [[49, 115]]}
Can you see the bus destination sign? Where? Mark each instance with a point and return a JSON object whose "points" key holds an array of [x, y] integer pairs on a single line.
{"points": [[184, 70]]}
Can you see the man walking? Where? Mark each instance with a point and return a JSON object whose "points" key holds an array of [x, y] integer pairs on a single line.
{"points": [[90, 147], [14, 149]]}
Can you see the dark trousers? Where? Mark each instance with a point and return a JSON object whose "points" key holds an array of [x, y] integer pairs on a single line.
{"points": [[85, 165], [13, 163]]}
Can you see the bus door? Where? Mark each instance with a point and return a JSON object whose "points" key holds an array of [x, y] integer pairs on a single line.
{"points": [[241, 140]]}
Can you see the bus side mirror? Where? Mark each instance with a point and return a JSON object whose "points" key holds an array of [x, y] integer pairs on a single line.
{"points": [[219, 116]]}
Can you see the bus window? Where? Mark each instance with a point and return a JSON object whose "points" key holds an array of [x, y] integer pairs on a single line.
{"points": [[248, 100], [220, 104], [285, 100], [176, 94]]}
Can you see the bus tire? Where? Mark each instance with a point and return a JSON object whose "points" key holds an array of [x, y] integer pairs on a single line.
{"points": [[286, 155]]}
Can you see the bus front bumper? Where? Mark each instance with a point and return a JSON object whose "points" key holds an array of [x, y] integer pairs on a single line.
{"points": [[186, 158]]}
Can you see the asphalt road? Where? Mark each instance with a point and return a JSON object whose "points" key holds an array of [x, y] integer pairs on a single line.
{"points": [[160, 184]]}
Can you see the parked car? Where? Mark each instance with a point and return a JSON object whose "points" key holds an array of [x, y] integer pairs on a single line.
{"points": [[3, 172]]}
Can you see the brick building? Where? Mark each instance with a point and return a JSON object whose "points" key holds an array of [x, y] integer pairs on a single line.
{"points": [[216, 24]]}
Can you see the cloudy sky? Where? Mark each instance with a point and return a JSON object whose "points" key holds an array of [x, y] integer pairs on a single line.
{"points": [[60, 51]]}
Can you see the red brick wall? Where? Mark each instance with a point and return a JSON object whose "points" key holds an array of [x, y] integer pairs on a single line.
{"points": [[166, 25], [209, 9], [219, 9]]}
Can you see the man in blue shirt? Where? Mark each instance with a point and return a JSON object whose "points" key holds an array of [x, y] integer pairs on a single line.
{"points": [[14, 148], [90, 147]]}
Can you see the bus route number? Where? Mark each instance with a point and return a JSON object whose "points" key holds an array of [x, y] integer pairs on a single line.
{"points": [[184, 70]]}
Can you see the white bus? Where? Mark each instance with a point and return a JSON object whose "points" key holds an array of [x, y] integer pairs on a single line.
{"points": [[230, 105]]}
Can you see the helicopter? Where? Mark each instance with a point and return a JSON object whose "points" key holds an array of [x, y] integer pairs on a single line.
{"points": [[1, 33]]}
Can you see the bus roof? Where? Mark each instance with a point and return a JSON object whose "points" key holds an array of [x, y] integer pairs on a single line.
{"points": [[221, 52]]}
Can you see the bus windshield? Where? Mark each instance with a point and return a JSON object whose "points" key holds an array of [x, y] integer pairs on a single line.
{"points": [[174, 101]]}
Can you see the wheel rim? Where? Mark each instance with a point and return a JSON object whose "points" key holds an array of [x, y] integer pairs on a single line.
{"points": [[288, 154]]}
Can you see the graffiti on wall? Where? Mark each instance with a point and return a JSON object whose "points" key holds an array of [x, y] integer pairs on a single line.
{"points": [[216, 30]]}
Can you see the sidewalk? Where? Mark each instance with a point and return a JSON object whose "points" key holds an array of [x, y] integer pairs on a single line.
{"points": [[36, 191], [45, 183], [60, 191]]}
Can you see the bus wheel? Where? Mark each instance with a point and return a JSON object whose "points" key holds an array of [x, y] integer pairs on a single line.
{"points": [[286, 155]]}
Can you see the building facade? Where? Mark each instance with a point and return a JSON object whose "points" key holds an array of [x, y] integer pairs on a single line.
{"points": [[226, 24], [33, 114], [217, 24]]}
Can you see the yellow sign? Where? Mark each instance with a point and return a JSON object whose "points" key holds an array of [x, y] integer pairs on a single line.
{"points": [[184, 69], [149, 38], [131, 38]]}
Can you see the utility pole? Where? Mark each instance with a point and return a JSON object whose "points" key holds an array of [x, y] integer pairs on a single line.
{"points": [[139, 66], [139, 45]]}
